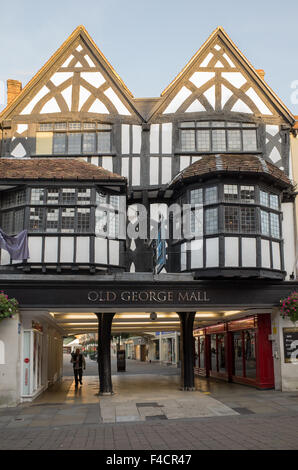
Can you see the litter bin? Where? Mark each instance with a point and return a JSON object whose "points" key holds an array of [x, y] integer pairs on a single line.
{"points": [[121, 360]]}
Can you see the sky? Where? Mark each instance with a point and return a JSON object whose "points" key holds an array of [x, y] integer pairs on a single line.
{"points": [[148, 42]]}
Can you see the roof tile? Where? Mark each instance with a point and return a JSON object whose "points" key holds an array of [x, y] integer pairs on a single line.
{"points": [[54, 168], [230, 163]]}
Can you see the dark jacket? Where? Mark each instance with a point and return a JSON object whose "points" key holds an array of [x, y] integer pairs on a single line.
{"points": [[82, 362]]}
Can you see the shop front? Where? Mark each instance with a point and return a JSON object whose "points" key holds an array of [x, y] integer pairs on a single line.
{"points": [[237, 351]]}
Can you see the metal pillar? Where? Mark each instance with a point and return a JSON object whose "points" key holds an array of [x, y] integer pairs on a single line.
{"points": [[104, 353], [187, 350]]}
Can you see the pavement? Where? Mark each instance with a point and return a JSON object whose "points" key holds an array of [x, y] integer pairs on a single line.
{"points": [[150, 412]]}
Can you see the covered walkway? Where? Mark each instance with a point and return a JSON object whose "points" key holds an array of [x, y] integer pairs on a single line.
{"points": [[154, 395]]}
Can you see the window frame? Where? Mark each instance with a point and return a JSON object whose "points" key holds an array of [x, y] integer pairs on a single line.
{"points": [[211, 126]]}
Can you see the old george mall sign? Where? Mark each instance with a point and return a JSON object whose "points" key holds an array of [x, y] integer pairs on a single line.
{"points": [[151, 296]]}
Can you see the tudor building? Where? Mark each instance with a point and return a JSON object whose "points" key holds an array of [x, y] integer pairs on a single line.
{"points": [[216, 140]]}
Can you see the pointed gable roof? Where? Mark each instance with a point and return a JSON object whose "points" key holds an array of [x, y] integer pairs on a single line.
{"points": [[220, 35], [80, 33]]}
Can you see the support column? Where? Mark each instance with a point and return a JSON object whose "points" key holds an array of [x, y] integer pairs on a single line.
{"points": [[187, 350], [104, 352]]}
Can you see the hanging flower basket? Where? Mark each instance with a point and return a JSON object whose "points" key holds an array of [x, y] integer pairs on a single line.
{"points": [[289, 307], [8, 307]]}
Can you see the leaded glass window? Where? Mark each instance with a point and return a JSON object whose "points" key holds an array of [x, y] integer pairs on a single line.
{"points": [[89, 141], [68, 220], [74, 143], [52, 220], [247, 219], [37, 195], [211, 221], [231, 219], [230, 192], [188, 140], [211, 195], [247, 194], [59, 143], [265, 230], [274, 225], [249, 140], [218, 140]]}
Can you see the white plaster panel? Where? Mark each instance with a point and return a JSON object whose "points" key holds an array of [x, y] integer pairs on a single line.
{"points": [[101, 250], [154, 170], [84, 95], [136, 171], [249, 252], [288, 230], [95, 79], [206, 60], [241, 107], [231, 251], [258, 102], [107, 163], [82, 250], [67, 62], [67, 95], [176, 102], [218, 64], [154, 138], [166, 168], [235, 78], [60, 77], [28, 109], [94, 161], [22, 128], [89, 60], [196, 248], [200, 78], [132, 268], [116, 102], [184, 162], [265, 254], [195, 159], [210, 95], [212, 252], [66, 249], [230, 62], [275, 155], [136, 139], [51, 250], [276, 255], [125, 167], [18, 151], [50, 106], [166, 131], [225, 95], [272, 129], [5, 257], [114, 248], [98, 107], [35, 246], [125, 139], [195, 107]]}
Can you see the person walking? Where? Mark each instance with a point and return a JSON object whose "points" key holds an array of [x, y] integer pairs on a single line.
{"points": [[78, 361]]}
